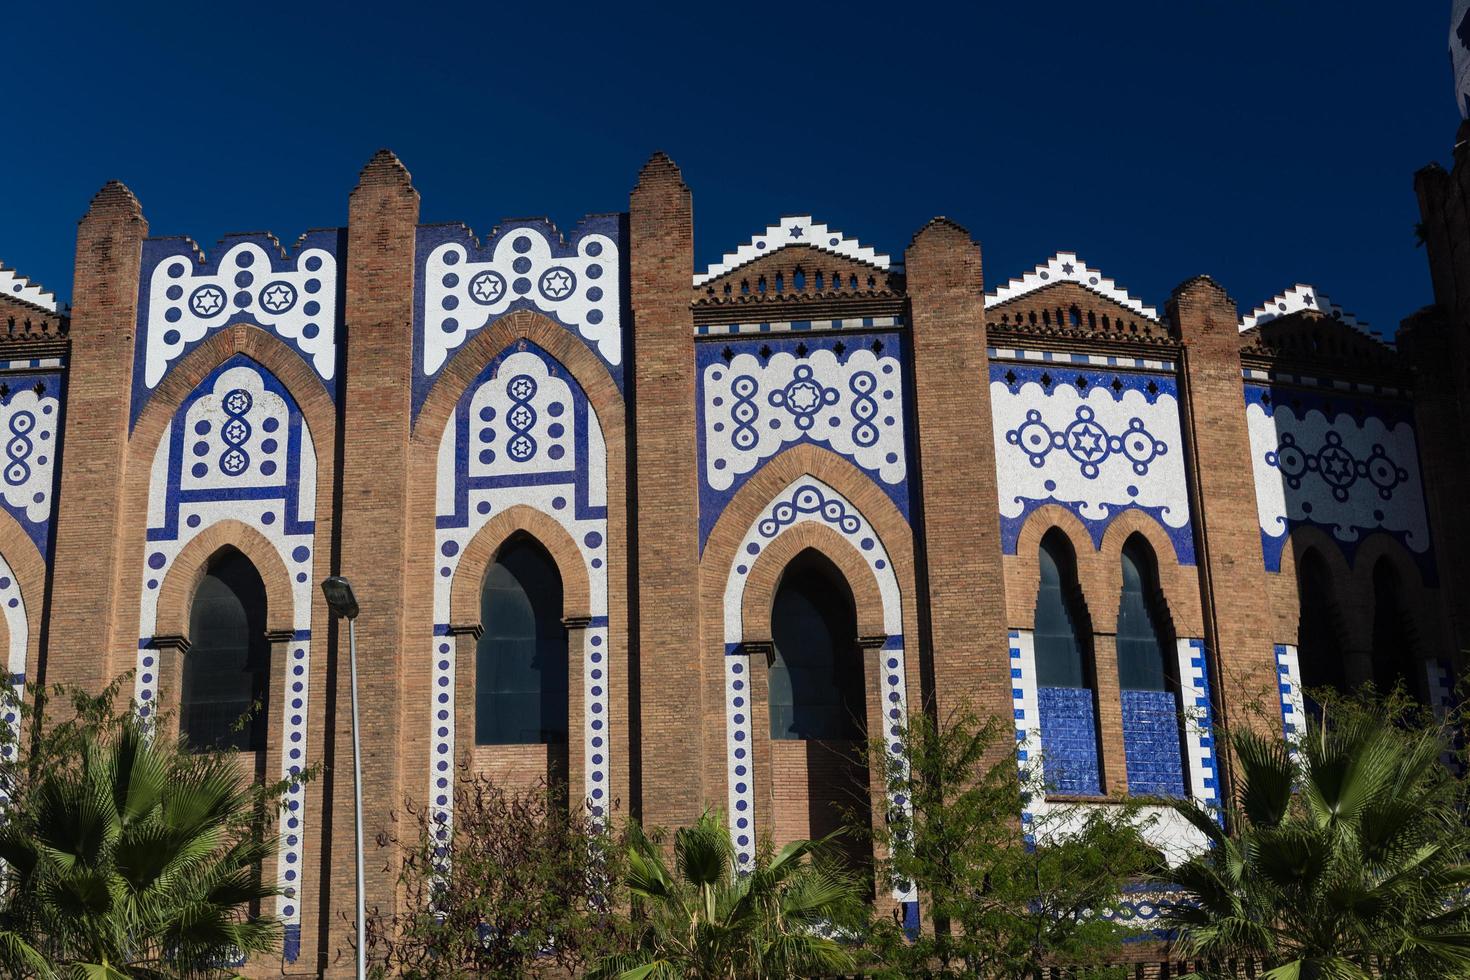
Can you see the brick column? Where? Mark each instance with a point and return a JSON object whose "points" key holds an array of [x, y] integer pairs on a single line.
{"points": [[382, 215], [83, 647], [1427, 341], [1436, 344], [1223, 499], [960, 550], [668, 777]]}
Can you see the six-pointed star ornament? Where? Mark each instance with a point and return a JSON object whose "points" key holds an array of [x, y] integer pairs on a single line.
{"points": [[556, 283]]}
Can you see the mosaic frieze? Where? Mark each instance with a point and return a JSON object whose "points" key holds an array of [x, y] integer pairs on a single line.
{"points": [[1349, 466], [183, 300], [757, 398], [1096, 442], [466, 285]]}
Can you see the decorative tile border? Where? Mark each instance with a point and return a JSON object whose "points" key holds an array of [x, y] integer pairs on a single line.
{"points": [[32, 364], [1293, 701], [1308, 381], [797, 326], [1199, 725], [1073, 357]]}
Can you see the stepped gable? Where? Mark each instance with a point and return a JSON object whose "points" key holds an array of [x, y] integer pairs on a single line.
{"points": [[15, 286], [1303, 331], [798, 269], [31, 322], [1066, 301]]}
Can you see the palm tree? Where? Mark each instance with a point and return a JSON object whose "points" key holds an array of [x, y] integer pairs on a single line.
{"points": [[137, 860], [709, 920], [1348, 857]]}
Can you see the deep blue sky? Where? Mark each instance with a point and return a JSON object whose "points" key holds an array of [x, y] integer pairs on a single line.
{"points": [[1263, 142]]}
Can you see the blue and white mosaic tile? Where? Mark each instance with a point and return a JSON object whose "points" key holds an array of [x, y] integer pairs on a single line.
{"points": [[523, 433], [238, 448], [467, 285], [183, 300], [30, 430], [807, 499], [1347, 465], [757, 399], [1096, 442]]}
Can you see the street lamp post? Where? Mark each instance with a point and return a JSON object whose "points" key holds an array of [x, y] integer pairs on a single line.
{"points": [[343, 603]]}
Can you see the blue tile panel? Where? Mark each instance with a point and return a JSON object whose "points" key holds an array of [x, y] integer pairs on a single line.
{"points": [[1069, 740], [1151, 743]]}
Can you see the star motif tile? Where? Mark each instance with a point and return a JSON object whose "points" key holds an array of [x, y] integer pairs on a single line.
{"points": [[208, 301], [557, 283], [487, 287], [277, 297]]}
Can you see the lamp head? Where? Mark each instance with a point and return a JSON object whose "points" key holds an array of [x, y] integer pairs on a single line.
{"points": [[339, 596]]}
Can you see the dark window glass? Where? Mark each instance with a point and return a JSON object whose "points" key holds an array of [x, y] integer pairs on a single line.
{"points": [[1059, 654], [1393, 633], [1317, 648], [1142, 655], [521, 659], [227, 669], [816, 681]]}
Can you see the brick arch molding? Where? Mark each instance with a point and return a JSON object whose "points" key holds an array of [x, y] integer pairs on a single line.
{"points": [[485, 547]]}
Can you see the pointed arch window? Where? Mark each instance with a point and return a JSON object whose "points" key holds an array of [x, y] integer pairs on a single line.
{"points": [[521, 659], [1066, 686], [1318, 651], [816, 678], [225, 677], [1394, 649], [1148, 679]]}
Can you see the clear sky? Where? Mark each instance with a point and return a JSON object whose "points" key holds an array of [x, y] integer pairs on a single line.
{"points": [[1265, 142]]}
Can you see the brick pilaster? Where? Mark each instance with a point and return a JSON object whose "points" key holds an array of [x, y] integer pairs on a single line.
{"points": [[960, 561], [1223, 498], [1436, 343], [383, 214], [84, 649], [664, 505]]}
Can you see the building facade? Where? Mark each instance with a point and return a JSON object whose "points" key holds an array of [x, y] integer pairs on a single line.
{"points": [[679, 539]]}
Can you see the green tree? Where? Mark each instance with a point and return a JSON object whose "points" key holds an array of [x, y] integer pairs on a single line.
{"points": [[515, 886], [999, 905], [126, 856], [788, 915], [1346, 858]]}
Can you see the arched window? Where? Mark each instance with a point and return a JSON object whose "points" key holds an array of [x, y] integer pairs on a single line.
{"points": [[1318, 650], [1147, 678], [1064, 675], [1393, 633], [226, 671], [521, 659], [816, 680]]}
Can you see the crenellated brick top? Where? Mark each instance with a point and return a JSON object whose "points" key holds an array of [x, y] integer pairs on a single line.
{"points": [[1314, 343], [1070, 314], [30, 330], [799, 282]]}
